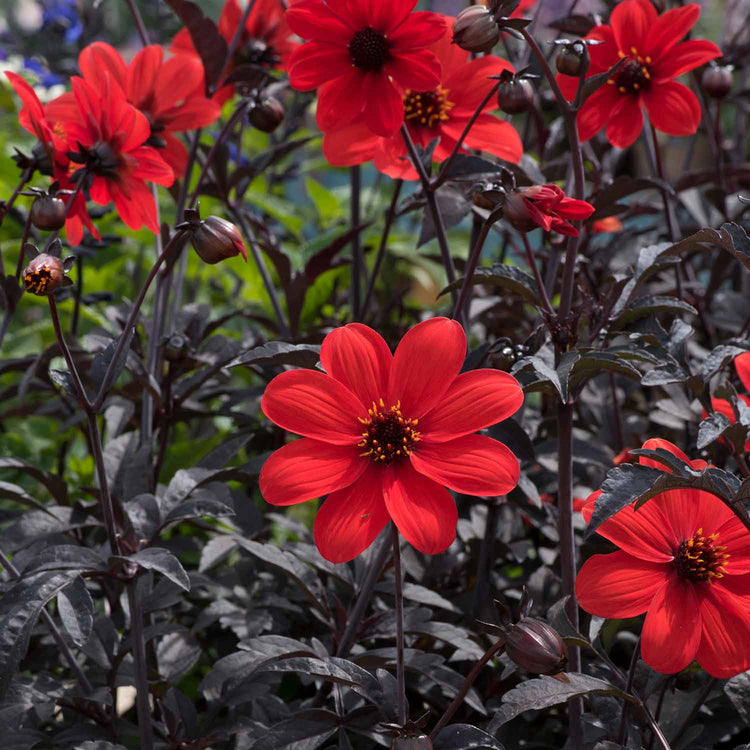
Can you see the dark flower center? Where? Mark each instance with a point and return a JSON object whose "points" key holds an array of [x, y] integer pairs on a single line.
{"points": [[369, 49], [38, 280], [700, 558], [633, 75], [427, 108], [388, 435]]}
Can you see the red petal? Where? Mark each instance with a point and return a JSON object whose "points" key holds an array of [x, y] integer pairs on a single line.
{"points": [[568, 85], [31, 117], [359, 358], [473, 464], [311, 19], [385, 17], [595, 113], [315, 63], [180, 78], [654, 443], [738, 587], [673, 108], [571, 208], [734, 536], [418, 70], [391, 158], [630, 22], [474, 400], [143, 73], [350, 145], [151, 166], [350, 519], [423, 511], [488, 133], [305, 468], [742, 365], [602, 56], [667, 30], [419, 30], [341, 100], [194, 113], [684, 57], [384, 106], [725, 647], [625, 121], [314, 405], [426, 362], [174, 154], [672, 630], [469, 83], [618, 584], [99, 58]]}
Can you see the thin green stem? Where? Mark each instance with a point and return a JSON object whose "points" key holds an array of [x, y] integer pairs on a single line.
{"points": [[399, 595]]}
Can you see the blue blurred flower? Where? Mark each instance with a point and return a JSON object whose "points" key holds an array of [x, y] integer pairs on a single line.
{"points": [[65, 14], [46, 78]]}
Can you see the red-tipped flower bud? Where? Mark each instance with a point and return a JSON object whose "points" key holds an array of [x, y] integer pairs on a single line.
{"points": [[515, 96], [48, 212], [475, 29], [516, 212], [267, 115], [536, 647], [569, 59], [717, 80], [216, 239], [43, 275]]}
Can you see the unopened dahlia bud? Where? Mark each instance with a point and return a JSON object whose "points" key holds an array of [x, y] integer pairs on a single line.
{"points": [[717, 80], [517, 212], [488, 195], [475, 29], [569, 60], [43, 275], [48, 212], [216, 239], [267, 115], [515, 96], [536, 647]]}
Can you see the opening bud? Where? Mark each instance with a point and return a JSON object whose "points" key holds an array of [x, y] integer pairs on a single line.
{"points": [[536, 647], [569, 60], [267, 114], [717, 80], [44, 274], [216, 239], [48, 212], [517, 212], [475, 29]]}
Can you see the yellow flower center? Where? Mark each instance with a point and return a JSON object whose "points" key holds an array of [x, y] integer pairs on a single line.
{"points": [[388, 435], [427, 108], [701, 558], [38, 280]]}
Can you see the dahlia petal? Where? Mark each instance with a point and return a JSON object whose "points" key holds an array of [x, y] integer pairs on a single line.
{"points": [[311, 19], [625, 122], [602, 56], [387, 17], [473, 401], [618, 585], [488, 133], [418, 70], [423, 511], [196, 112], [630, 22], [99, 57], [151, 166], [734, 536], [673, 108], [672, 629], [134, 203], [73, 230], [654, 443], [315, 63], [350, 519], [667, 30], [179, 79], [305, 469], [174, 154], [724, 649], [574, 209], [468, 83], [738, 587], [426, 362], [341, 100], [314, 405], [384, 106], [742, 365], [568, 85], [359, 359], [142, 75], [353, 144], [391, 158], [419, 30], [596, 111], [684, 57], [32, 115], [472, 464]]}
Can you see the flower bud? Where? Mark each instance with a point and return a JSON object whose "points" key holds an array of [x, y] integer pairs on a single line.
{"points": [[267, 115], [536, 647], [569, 59], [48, 212], [515, 96], [216, 239], [717, 80], [43, 275], [488, 195], [475, 29], [517, 213]]}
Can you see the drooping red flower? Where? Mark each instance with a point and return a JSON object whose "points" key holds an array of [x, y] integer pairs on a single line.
{"points": [[382, 433], [168, 93], [441, 112], [684, 560], [742, 366], [545, 206], [266, 41], [654, 56], [362, 55]]}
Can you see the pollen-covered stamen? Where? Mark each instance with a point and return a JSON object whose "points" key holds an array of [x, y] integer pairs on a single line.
{"points": [[427, 108], [39, 280], [370, 50], [701, 558], [634, 74], [389, 435]]}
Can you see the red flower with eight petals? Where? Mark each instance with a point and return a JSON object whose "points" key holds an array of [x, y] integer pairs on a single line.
{"points": [[441, 112], [684, 559], [544, 206], [654, 56], [384, 432], [362, 55]]}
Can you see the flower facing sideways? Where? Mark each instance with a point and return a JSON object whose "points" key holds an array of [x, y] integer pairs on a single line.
{"points": [[742, 366], [383, 433], [544, 206], [654, 56], [684, 560]]}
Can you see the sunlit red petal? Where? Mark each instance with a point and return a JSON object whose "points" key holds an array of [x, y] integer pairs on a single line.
{"points": [[418, 70], [423, 511], [388, 16], [602, 56], [630, 22], [667, 30], [419, 30], [683, 58], [742, 365], [179, 79], [350, 145], [625, 122], [673, 108], [473, 465], [99, 58], [311, 19], [143, 72], [341, 100], [469, 83], [384, 106], [315, 63], [595, 113], [488, 133], [735, 537]]}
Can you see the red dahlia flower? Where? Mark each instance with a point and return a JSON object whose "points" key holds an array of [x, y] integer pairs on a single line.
{"points": [[383, 433], [441, 112], [654, 57], [545, 206], [167, 93], [742, 365], [363, 55], [684, 560], [265, 41]]}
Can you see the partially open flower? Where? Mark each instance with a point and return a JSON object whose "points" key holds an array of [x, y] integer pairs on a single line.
{"points": [[545, 206], [44, 274], [216, 239], [475, 29], [536, 647]]}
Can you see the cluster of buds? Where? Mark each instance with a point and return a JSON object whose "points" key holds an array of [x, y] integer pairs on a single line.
{"points": [[46, 271], [214, 239]]}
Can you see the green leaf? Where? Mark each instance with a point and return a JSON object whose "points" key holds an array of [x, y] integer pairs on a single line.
{"points": [[326, 203]]}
